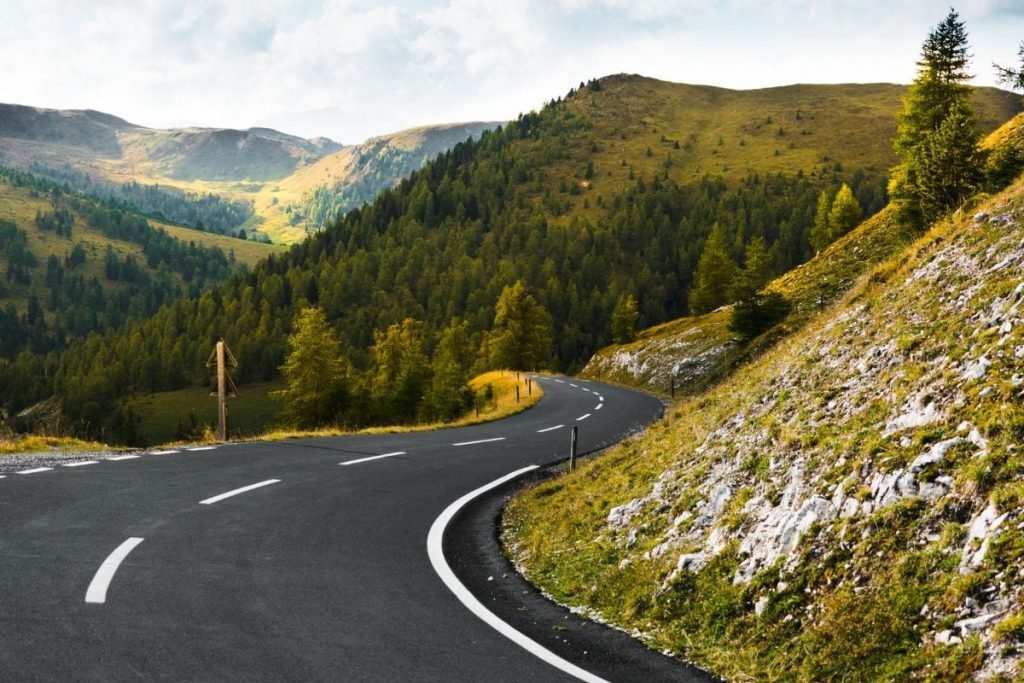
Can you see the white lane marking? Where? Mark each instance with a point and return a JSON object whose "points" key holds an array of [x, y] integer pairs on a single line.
{"points": [[599, 406], [82, 463], [585, 389], [201, 448], [574, 385], [373, 457], [3, 476], [436, 554], [172, 452], [97, 592], [549, 429], [581, 418], [124, 457], [560, 381], [250, 487], [473, 443], [36, 470]]}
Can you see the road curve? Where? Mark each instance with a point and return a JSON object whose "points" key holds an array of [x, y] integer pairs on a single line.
{"points": [[297, 560]]}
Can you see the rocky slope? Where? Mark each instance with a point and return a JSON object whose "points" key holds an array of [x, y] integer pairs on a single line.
{"points": [[848, 506]]}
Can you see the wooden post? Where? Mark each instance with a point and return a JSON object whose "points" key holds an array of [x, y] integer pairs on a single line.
{"points": [[517, 392], [223, 357], [572, 448], [529, 386]]}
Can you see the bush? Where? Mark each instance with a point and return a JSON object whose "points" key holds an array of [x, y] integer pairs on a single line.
{"points": [[754, 315]]}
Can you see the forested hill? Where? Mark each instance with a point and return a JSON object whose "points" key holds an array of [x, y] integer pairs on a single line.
{"points": [[610, 191]]}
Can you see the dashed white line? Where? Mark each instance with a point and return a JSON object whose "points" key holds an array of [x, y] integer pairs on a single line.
{"points": [[250, 487], [97, 592], [599, 406], [585, 389], [124, 457], [201, 448], [473, 443], [83, 463], [577, 386], [3, 476], [560, 381], [172, 452], [35, 470], [581, 418], [436, 554], [373, 457], [549, 429]]}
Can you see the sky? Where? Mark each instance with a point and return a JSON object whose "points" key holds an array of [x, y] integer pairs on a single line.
{"points": [[349, 69]]}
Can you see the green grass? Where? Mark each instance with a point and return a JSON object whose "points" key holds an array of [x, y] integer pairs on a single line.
{"points": [[852, 605], [170, 415]]}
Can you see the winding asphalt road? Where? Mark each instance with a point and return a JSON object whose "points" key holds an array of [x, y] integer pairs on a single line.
{"points": [[315, 568]]}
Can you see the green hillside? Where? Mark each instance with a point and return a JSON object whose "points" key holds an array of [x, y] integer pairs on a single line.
{"points": [[567, 200], [72, 266], [846, 505]]}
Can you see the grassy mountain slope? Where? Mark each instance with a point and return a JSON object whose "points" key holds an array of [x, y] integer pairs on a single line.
{"points": [[697, 350], [278, 174], [847, 506]]}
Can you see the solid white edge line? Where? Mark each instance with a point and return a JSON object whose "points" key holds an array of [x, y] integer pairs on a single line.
{"points": [[373, 457], [436, 554], [35, 470], [97, 592], [244, 489], [581, 418], [82, 463], [549, 429], [172, 452], [124, 457], [201, 448], [473, 443]]}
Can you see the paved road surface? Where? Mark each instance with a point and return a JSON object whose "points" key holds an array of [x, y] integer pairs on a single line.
{"points": [[142, 568]]}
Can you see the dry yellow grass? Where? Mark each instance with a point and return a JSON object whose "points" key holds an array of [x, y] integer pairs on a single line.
{"points": [[35, 444]]}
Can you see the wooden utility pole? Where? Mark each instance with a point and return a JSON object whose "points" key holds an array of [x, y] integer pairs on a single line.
{"points": [[222, 357]]}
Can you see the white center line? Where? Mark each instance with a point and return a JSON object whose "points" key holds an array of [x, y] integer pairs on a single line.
{"points": [[585, 389], [97, 592], [124, 457], [574, 385], [3, 476], [549, 429], [581, 418], [201, 448], [36, 470], [473, 443], [82, 463], [373, 457], [172, 452], [250, 487], [599, 406], [560, 381], [440, 564]]}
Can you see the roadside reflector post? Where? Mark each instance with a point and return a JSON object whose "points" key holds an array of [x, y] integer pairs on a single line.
{"points": [[529, 386], [572, 448], [517, 391]]}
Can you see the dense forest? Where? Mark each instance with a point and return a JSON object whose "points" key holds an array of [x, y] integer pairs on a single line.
{"points": [[206, 211], [439, 250], [77, 303]]}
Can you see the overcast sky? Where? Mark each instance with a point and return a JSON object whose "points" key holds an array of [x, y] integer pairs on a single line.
{"points": [[350, 69]]}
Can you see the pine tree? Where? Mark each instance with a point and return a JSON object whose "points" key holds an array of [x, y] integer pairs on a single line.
{"points": [[449, 395], [521, 338], [714, 276], [845, 213], [820, 235], [756, 272], [315, 372], [402, 370], [950, 165], [624, 318], [1011, 77], [936, 93]]}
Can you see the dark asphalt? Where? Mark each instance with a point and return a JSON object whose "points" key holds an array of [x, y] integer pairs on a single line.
{"points": [[322, 576]]}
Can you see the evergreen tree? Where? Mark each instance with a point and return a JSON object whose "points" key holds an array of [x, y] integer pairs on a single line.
{"points": [[1011, 77], [756, 273], [950, 165], [521, 339], [624, 319], [937, 92], [820, 234], [315, 372], [845, 213], [449, 395], [402, 370], [715, 274]]}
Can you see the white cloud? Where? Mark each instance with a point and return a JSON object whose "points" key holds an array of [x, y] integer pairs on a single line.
{"points": [[362, 67]]}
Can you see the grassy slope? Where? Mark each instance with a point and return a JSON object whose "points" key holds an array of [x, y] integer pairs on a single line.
{"points": [[876, 595], [701, 348], [17, 204]]}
